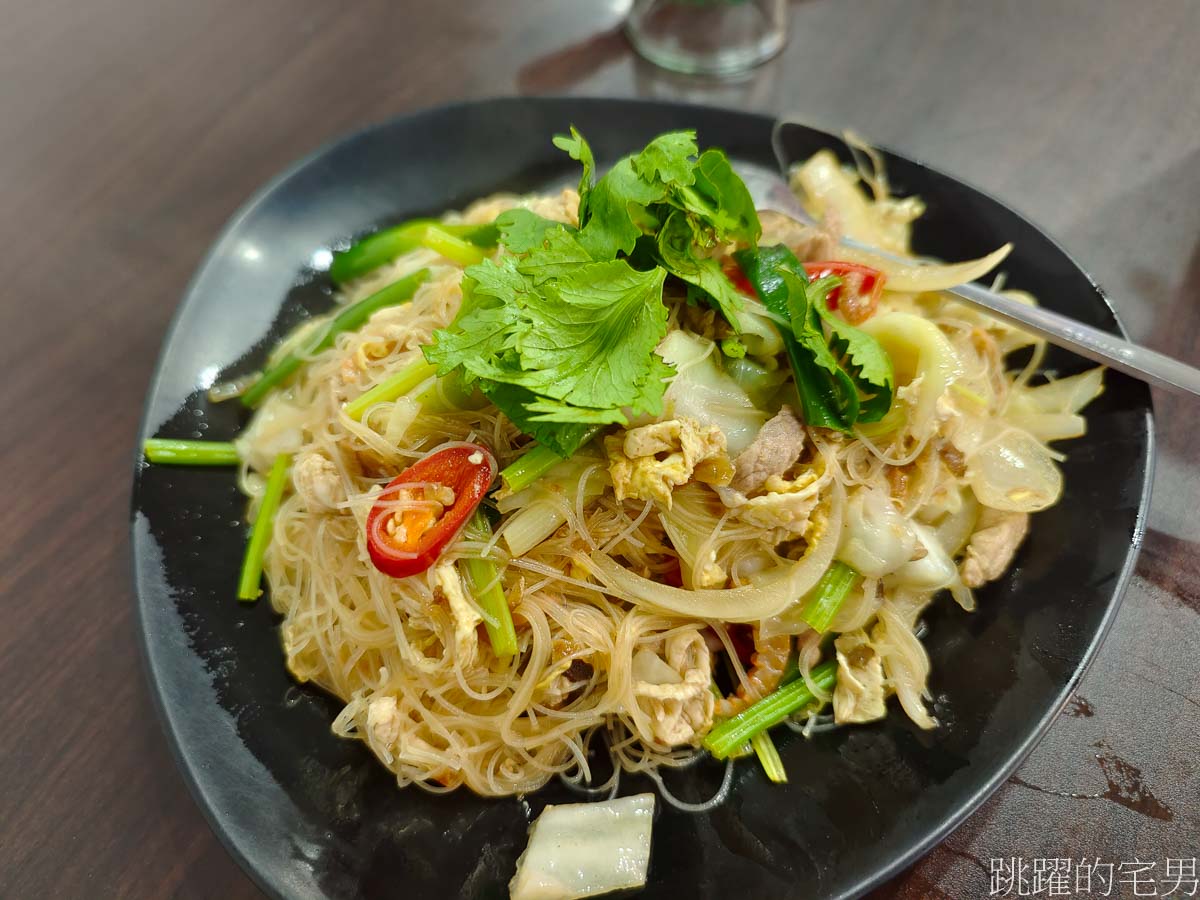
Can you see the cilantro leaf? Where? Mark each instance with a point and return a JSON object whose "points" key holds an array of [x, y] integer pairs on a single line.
{"points": [[843, 378], [704, 273], [868, 362], [560, 255], [521, 230], [593, 335], [563, 438], [617, 213], [668, 158], [577, 148], [719, 202], [560, 332]]}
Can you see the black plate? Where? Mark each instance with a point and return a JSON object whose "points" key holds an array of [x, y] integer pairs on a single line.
{"points": [[309, 815]]}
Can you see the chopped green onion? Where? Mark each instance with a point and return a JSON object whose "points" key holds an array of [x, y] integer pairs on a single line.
{"points": [[764, 748], [827, 596], [768, 712], [349, 319], [396, 386], [455, 249], [532, 465], [484, 580], [260, 535], [382, 247], [190, 453]]}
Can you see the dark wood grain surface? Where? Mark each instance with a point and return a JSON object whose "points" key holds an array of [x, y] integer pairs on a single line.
{"points": [[130, 130]]}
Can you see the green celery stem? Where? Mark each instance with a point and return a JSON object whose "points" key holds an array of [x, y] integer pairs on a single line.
{"points": [[483, 578], [190, 453], [532, 465], [396, 386], [260, 536], [455, 249], [768, 712], [828, 596], [381, 248], [349, 319], [768, 756]]}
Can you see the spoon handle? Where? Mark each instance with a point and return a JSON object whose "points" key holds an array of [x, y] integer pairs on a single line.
{"points": [[1063, 331], [1100, 346], [1092, 343]]}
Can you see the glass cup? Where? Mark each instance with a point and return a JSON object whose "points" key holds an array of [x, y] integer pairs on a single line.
{"points": [[707, 37]]}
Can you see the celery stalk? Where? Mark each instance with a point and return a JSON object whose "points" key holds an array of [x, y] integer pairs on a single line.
{"points": [[484, 580], [382, 247], [396, 386], [260, 535], [827, 596], [190, 453], [532, 465], [768, 712], [455, 249], [351, 318], [764, 748]]}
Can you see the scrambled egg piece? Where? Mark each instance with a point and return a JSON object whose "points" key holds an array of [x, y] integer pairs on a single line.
{"points": [[859, 694], [680, 707], [647, 463], [785, 507], [466, 640]]}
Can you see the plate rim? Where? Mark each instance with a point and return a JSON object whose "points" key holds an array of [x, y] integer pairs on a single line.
{"points": [[873, 878]]}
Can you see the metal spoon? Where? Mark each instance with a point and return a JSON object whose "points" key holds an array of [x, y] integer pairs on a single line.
{"points": [[770, 191]]}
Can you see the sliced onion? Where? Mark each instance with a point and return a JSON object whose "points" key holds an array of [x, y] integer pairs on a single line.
{"points": [[917, 278], [955, 527], [1014, 472], [766, 595], [1051, 426], [1063, 395]]}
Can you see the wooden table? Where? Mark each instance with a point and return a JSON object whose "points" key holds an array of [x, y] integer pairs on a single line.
{"points": [[131, 130]]}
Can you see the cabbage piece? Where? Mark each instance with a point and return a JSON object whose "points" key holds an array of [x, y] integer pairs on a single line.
{"points": [[585, 849], [933, 571], [954, 528], [701, 390], [876, 539], [762, 385]]}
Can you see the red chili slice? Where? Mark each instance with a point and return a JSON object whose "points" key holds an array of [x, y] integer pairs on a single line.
{"points": [[424, 508], [738, 278], [863, 286]]}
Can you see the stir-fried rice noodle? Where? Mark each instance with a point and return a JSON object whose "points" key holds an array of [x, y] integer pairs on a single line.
{"points": [[601, 589]]}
